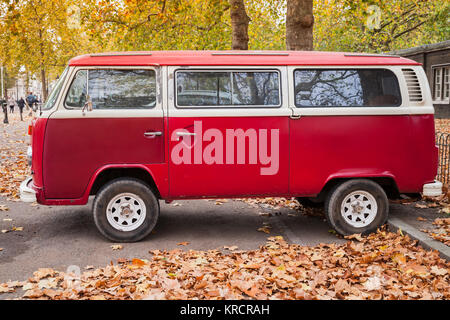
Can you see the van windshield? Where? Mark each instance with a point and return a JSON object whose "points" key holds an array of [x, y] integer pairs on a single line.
{"points": [[55, 92]]}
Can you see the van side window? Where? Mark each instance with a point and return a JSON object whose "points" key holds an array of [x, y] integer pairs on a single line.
{"points": [[346, 88], [240, 88], [113, 89], [122, 89], [76, 97]]}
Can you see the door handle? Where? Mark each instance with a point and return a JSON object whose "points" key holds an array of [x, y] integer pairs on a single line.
{"points": [[295, 117], [153, 134]]}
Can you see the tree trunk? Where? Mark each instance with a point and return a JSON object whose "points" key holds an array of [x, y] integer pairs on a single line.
{"points": [[27, 83], [44, 85], [239, 24], [299, 25]]}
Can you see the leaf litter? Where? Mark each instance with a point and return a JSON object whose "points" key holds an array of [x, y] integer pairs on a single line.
{"points": [[383, 265]]}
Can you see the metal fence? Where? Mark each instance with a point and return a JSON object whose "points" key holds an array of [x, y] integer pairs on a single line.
{"points": [[443, 142]]}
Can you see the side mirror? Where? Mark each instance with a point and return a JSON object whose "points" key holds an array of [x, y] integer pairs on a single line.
{"points": [[87, 106]]}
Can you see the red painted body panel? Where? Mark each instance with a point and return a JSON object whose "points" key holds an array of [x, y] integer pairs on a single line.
{"points": [[400, 147], [75, 149], [229, 180], [37, 142], [425, 154], [68, 154], [157, 171], [316, 150], [203, 58]]}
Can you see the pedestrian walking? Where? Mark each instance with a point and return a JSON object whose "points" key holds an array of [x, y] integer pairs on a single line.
{"points": [[11, 104], [30, 101], [21, 105], [4, 105]]}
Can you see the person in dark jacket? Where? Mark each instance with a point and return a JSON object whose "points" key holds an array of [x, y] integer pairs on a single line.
{"points": [[30, 101], [21, 105]]}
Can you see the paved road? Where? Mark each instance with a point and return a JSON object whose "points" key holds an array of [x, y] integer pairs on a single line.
{"points": [[58, 237]]}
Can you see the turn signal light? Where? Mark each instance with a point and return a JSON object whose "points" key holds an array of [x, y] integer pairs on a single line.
{"points": [[30, 130]]}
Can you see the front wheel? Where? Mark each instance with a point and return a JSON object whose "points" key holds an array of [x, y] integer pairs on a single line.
{"points": [[357, 206], [125, 210]]}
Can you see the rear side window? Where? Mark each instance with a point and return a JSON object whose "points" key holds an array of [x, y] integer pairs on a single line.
{"points": [[226, 89], [346, 88], [113, 89]]}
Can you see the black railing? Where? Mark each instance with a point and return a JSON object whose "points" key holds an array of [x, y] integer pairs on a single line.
{"points": [[443, 142]]}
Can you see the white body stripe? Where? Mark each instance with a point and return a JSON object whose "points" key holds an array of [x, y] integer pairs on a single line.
{"points": [[166, 101]]}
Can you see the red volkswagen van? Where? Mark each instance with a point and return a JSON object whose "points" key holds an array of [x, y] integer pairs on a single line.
{"points": [[345, 130]]}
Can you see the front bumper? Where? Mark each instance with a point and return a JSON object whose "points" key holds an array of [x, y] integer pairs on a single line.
{"points": [[432, 189], [27, 193]]}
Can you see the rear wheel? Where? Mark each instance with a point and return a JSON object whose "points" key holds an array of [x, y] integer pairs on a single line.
{"points": [[125, 210], [357, 206]]}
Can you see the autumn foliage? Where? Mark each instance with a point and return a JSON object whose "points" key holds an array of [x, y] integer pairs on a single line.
{"points": [[39, 37]]}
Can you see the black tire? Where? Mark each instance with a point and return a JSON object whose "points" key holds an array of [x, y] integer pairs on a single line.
{"points": [[338, 194], [115, 188], [310, 202]]}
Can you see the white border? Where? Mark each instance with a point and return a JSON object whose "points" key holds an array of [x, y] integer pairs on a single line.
{"points": [[59, 111], [165, 96], [407, 107], [218, 111], [237, 106]]}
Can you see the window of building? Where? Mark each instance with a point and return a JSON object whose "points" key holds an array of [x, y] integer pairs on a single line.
{"points": [[441, 84]]}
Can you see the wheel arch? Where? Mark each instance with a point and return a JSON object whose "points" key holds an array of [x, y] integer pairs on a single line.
{"points": [[111, 172], [387, 182]]}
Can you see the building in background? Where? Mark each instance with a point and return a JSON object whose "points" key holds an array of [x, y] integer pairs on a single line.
{"points": [[20, 90], [435, 59]]}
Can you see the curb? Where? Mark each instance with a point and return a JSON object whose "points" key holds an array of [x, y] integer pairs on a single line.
{"points": [[424, 240]]}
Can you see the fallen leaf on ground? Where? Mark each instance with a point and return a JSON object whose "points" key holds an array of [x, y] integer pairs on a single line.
{"points": [[383, 265], [373, 283], [265, 214], [265, 229], [354, 237], [42, 273], [117, 247], [183, 243], [441, 231]]}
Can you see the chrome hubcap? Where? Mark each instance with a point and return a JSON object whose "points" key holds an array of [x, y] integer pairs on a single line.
{"points": [[359, 209], [126, 212]]}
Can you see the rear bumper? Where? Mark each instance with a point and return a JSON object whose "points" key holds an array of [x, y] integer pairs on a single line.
{"points": [[432, 189], [27, 193]]}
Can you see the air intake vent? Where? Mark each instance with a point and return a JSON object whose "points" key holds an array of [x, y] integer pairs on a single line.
{"points": [[414, 91]]}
